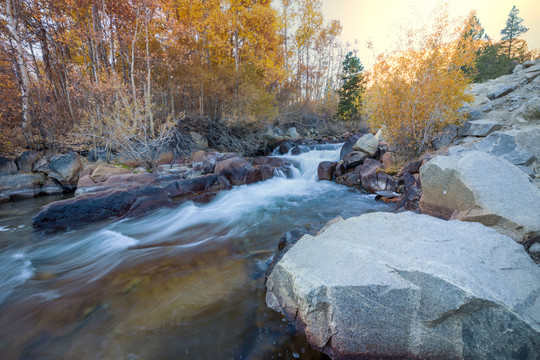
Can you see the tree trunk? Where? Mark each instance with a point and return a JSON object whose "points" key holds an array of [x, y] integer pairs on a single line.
{"points": [[24, 79]]}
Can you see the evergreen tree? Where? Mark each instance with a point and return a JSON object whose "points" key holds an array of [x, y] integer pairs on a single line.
{"points": [[513, 29], [350, 92], [491, 62]]}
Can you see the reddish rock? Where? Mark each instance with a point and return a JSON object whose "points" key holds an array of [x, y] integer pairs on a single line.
{"points": [[166, 158], [234, 169], [178, 188], [352, 179], [198, 156], [84, 209], [411, 168], [87, 170], [123, 180], [102, 172], [266, 172], [410, 200], [326, 170], [341, 169], [373, 181], [86, 182], [285, 147], [387, 160], [224, 183], [253, 175], [146, 204]]}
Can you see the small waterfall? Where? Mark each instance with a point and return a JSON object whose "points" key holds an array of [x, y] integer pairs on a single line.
{"points": [[307, 162]]}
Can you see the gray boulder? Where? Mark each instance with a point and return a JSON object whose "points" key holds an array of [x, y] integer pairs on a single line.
{"points": [[504, 145], [477, 186], [7, 166], [475, 114], [198, 139], [479, 128], [405, 285], [64, 169], [25, 162], [22, 186], [367, 144], [500, 91], [292, 133]]}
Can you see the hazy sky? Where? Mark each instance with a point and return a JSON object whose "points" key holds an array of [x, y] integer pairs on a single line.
{"points": [[379, 20]]}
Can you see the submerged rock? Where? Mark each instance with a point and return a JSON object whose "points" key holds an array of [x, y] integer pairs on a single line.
{"points": [[410, 286]]}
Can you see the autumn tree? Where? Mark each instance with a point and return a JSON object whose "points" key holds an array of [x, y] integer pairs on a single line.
{"points": [[512, 30], [416, 92]]}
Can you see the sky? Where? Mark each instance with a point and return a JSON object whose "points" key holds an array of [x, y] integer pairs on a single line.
{"points": [[379, 21]]}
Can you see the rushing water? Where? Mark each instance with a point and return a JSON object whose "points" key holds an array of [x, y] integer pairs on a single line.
{"points": [[184, 283]]}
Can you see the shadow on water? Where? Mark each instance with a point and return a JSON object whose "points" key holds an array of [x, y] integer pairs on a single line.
{"points": [[178, 283]]}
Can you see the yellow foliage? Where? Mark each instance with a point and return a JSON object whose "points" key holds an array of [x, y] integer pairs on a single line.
{"points": [[416, 92]]}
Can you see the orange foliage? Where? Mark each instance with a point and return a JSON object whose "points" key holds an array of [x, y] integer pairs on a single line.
{"points": [[417, 92]]}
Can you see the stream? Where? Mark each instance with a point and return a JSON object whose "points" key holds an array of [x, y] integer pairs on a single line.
{"points": [[183, 283]]}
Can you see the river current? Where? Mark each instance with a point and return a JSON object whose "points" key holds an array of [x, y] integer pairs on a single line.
{"points": [[183, 283]]}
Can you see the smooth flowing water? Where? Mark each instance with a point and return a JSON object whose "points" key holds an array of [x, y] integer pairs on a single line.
{"points": [[184, 283]]}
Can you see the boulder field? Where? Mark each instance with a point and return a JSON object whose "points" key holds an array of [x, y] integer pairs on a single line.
{"points": [[405, 285]]}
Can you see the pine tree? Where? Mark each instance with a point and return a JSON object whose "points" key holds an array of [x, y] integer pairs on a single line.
{"points": [[513, 29], [349, 94]]}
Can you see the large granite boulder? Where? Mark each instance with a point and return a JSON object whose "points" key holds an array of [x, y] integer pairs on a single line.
{"points": [[412, 286], [481, 187], [367, 144], [64, 169]]}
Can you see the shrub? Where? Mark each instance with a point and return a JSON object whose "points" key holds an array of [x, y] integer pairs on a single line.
{"points": [[416, 92]]}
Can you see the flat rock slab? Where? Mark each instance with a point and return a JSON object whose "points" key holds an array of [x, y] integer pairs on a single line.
{"points": [[386, 285], [476, 186], [504, 145], [480, 128], [500, 91]]}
